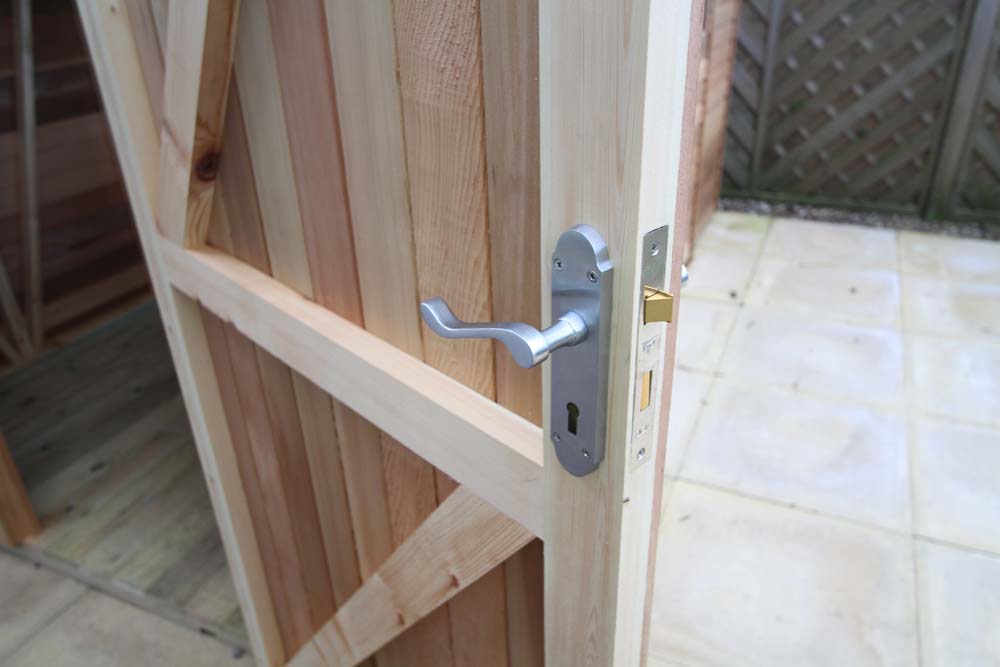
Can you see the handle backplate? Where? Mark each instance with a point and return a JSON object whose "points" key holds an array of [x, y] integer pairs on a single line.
{"points": [[581, 283]]}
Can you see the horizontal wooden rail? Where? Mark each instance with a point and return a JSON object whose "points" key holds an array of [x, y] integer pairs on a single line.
{"points": [[480, 444], [462, 540]]}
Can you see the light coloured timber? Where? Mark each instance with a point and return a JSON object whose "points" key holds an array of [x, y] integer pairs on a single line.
{"points": [[267, 142], [363, 58], [116, 63], [313, 135], [196, 84], [472, 439], [140, 14], [438, 51], [684, 205], [613, 91], [461, 541], [510, 95], [363, 54], [316, 413]]}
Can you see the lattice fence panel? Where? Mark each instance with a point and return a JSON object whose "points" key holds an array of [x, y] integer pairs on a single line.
{"points": [[854, 96], [859, 96], [978, 191], [744, 97]]}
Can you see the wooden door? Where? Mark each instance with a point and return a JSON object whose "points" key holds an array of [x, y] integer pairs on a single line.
{"points": [[303, 175]]}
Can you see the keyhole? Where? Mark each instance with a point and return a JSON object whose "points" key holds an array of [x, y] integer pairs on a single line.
{"points": [[573, 413]]}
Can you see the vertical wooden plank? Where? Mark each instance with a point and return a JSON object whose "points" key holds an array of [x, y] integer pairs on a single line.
{"points": [[263, 115], [238, 195], [140, 15], [306, 79], [17, 518], [323, 448], [363, 55], [688, 184], [272, 459], [26, 126], [198, 61], [290, 112], [288, 449], [510, 82], [313, 133], [510, 93], [216, 336], [114, 54], [613, 95], [441, 88], [439, 61], [252, 375]]}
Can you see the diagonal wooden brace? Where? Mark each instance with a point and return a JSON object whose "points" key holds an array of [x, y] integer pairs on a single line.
{"points": [[462, 540]]}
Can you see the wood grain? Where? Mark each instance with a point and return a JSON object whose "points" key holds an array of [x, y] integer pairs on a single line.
{"points": [[510, 88], [218, 336], [238, 195], [363, 54], [469, 437], [196, 86], [147, 39], [685, 206], [116, 63], [307, 94], [288, 235], [270, 155], [327, 473], [613, 93], [462, 540], [439, 59]]}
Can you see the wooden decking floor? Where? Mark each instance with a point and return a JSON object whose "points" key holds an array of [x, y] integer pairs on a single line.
{"points": [[99, 435]]}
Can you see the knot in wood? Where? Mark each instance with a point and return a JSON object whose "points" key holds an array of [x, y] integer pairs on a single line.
{"points": [[207, 166]]}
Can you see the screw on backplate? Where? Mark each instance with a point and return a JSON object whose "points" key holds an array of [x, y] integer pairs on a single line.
{"points": [[556, 437], [654, 249], [641, 454], [592, 276], [558, 263], [585, 453]]}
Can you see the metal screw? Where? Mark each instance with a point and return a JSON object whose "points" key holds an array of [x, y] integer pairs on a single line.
{"points": [[586, 454], [558, 264], [556, 437], [592, 276], [641, 454], [654, 249]]}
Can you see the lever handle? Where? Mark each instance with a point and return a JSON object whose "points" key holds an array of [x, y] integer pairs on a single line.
{"points": [[528, 345]]}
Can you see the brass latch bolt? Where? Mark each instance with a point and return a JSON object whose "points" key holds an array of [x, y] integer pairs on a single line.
{"points": [[657, 305]]}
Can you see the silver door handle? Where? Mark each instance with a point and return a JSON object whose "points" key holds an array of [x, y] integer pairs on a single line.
{"points": [[582, 277], [528, 345]]}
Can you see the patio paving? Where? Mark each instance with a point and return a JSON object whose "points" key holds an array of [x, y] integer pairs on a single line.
{"points": [[833, 491]]}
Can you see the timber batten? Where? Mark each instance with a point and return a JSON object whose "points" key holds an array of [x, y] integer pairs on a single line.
{"points": [[346, 448]]}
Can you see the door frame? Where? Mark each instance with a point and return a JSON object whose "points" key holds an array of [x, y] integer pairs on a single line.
{"points": [[617, 125]]}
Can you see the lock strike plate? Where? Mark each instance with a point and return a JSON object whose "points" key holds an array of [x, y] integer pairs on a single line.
{"points": [[581, 282]]}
